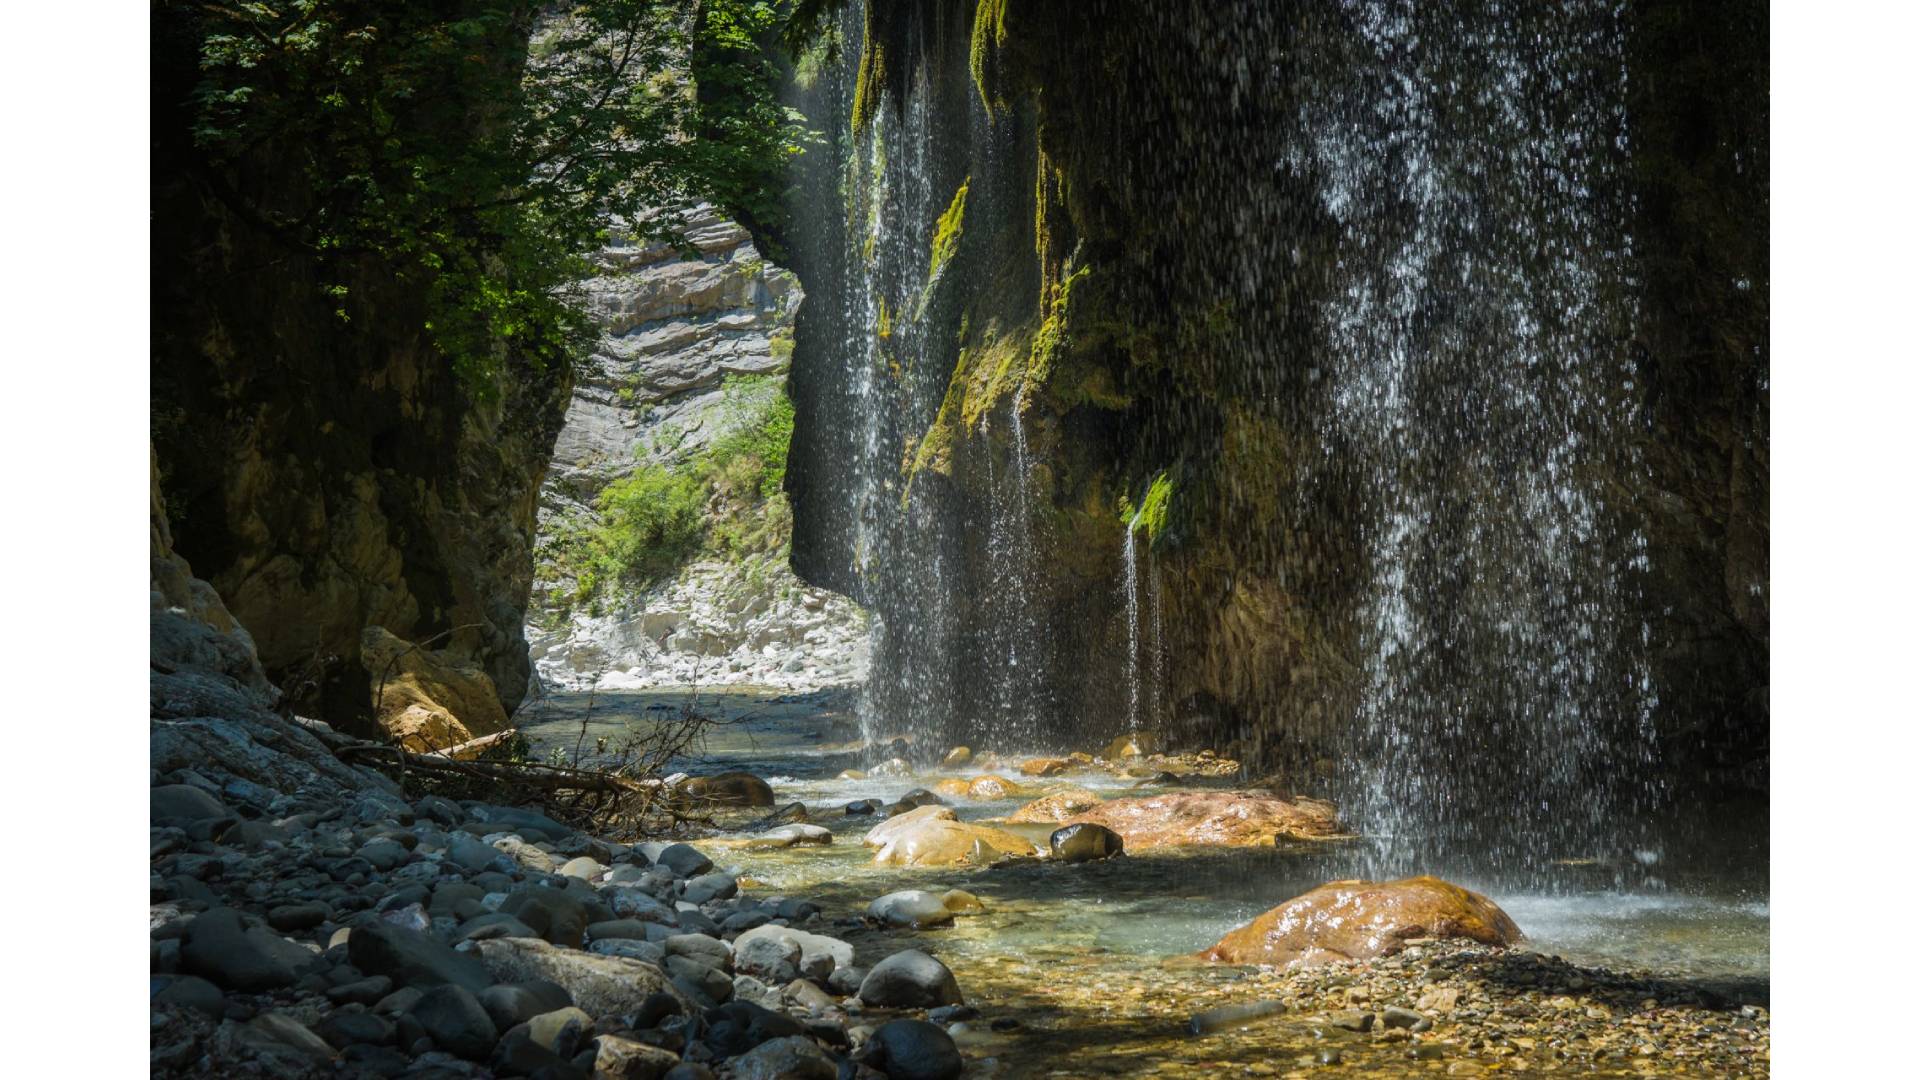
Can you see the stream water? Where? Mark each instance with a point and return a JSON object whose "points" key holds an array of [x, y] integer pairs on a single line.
{"points": [[1096, 949]]}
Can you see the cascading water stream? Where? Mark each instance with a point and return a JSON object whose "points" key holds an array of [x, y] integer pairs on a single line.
{"points": [[1130, 596], [1479, 380], [1389, 338]]}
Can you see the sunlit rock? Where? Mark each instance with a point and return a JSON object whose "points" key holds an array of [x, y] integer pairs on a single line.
{"points": [[1359, 920], [933, 836], [427, 699], [1058, 806], [1137, 744], [988, 788], [1211, 818]]}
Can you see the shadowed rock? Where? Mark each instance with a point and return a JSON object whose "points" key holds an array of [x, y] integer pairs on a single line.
{"points": [[1084, 842], [729, 789]]}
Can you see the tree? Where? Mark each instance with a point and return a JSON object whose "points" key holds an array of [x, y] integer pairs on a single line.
{"points": [[478, 148]]}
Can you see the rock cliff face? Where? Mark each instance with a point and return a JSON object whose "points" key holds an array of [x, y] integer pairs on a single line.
{"points": [[328, 476], [692, 348], [1122, 255], [214, 723]]}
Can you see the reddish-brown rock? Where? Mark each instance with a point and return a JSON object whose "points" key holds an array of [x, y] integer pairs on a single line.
{"points": [[1044, 766], [1358, 920], [988, 788], [1213, 818], [1056, 807]]}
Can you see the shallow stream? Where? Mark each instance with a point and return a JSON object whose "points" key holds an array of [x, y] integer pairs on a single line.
{"points": [[1091, 957]]}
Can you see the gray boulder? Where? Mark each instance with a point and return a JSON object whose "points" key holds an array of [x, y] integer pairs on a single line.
{"points": [[771, 958], [413, 959], [913, 1050], [219, 947], [911, 907], [457, 1022], [910, 980]]}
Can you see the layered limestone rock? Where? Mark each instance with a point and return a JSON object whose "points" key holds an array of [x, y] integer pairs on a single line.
{"points": [[692, 348], [1359, 920]]}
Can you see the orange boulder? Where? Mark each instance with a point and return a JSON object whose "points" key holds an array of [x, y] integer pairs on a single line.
{"points": [[988, 788], [1056, 807], [1211, 818], [1359, 920]]}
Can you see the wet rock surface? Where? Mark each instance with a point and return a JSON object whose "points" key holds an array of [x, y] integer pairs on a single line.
{"points": [[1359, 920], [934, 836], [1231, 818], [638, 960]]}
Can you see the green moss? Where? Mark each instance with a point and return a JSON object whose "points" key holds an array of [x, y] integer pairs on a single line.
{"points": [[780, 344], [1152, 515], [1074, 347], [934, 450], [870, 85], [946, 232], [989, 35]]}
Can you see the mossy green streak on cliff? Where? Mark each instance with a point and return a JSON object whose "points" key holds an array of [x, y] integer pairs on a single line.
{"points": [[946, 234], [1151, 515], [989, 34]]}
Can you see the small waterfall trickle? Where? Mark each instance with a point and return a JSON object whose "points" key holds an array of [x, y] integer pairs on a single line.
{"points": [[1130, 600], [1020, 674]]}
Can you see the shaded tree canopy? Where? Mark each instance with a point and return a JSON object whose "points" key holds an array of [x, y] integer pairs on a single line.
{"points": [[477, 149]]}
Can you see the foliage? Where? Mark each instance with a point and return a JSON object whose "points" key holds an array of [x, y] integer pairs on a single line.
{"points": [[725, 502], [1154, 506], [651, 523], [424, 139]]}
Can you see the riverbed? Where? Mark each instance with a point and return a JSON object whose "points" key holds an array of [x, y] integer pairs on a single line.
{"points": [[1093, 960]]}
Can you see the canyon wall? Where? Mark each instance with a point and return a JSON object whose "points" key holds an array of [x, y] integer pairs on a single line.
{"points": [[693, 348], [1139, 258], [326, 475]]}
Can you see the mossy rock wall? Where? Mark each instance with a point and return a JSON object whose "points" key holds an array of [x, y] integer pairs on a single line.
{"points": [[1097, 167]]}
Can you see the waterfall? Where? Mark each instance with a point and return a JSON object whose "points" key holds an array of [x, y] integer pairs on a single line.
{"points": [[1358, 286], [1476, 344], [1020, 672]]}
